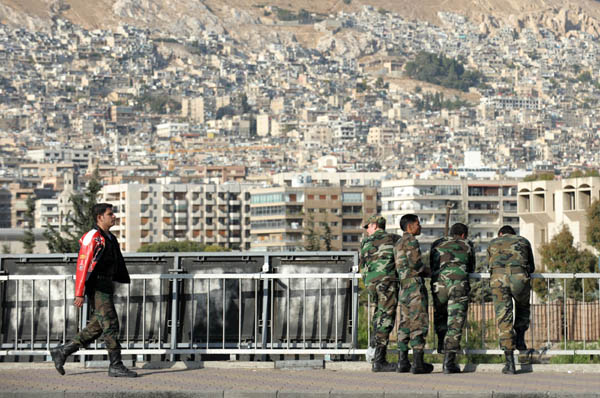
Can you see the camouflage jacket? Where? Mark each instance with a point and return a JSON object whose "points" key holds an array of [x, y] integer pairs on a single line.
{"points": [[452, 255], [376, 260], [510, 250], [408, 258]]}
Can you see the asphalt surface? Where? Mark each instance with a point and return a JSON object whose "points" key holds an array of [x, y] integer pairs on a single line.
{"points": [[239, 379]]}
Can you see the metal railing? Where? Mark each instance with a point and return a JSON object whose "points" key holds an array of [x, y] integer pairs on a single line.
{"points": [[207, 310], [258, 304]]}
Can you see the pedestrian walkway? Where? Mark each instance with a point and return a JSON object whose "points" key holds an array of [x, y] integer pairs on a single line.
{"points": [[343, 380]]}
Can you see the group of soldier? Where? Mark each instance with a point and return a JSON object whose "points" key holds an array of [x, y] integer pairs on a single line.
{"points": [[394, 276]]}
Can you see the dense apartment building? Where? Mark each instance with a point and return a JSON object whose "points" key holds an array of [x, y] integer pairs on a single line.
{"points": [[545, 206], [281, 216], [205, 213], [483, 205]]}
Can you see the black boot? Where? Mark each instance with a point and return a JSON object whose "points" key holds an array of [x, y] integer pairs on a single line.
{"points": [[440, 347], [60, 354], [419, 365], [380, 364], [450, 365], [403, 362], [520, 340], [116, 368], [509, 367]]}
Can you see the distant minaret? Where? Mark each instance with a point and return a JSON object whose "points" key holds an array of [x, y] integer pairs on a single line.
{"points": [[116, 149]]}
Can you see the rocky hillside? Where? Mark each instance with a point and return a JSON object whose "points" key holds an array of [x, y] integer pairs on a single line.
{"points": [[250, 19]]}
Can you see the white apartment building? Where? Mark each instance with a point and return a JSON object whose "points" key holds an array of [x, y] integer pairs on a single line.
{"points": [[205, 213], [545, 206], [80, 157], [169, 130], [47, 213], [483, 205]]}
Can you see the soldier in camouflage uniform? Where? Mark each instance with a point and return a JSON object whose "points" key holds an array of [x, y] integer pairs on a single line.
{"points": [[377, 266], [451, 259], [510, 262], [414, 319]]}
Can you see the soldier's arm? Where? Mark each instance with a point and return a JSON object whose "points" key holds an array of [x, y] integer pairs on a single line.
{"points": [[530, 260], [413, 255], [361, 258], [471, 260]]}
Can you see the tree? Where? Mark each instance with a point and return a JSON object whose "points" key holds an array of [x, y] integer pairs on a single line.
{"points": [[66, 240], [183, 246], [559, 255], [593, 228], [311, 239], [327, 236], [29, 239]]}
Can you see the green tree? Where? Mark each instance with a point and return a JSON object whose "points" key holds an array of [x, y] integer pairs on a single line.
{"points": [[593, 227], [183, 246], [29, 238], [560, 255], [65, 239], [327, 235], [311, 238]]}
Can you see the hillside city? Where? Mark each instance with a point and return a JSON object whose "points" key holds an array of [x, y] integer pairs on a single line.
{"points": [[208, 139]]}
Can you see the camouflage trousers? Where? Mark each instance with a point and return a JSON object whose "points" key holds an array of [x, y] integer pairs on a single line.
{"points": [[414, 319], [104, 321], [450, 304], [505, 288], [384, 295]]}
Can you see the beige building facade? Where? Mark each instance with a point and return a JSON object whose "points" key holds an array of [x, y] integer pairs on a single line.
{"points": [[282, 216], [205, 213], [545, 206]]}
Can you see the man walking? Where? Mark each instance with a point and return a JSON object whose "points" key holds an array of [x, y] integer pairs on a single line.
{"points": [[414, 320], [510, 261], [377, 266], [451, 259], [99, 264]]}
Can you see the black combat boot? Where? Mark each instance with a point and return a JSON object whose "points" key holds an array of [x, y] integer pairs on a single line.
{"points": [[440, 348], [419, 365], [403, 362], [60, 354], [450, 365], [520, 340], [509, 367], [380, 364], [116, 368]]}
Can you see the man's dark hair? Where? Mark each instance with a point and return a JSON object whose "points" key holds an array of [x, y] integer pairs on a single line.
{"points": [[507, 229], [99, 209], [459, 229], [408, 219]]}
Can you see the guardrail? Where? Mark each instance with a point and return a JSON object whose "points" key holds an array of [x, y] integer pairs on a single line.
{"points": [[256, 305]]}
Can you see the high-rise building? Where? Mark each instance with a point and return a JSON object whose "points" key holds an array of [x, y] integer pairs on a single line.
{"points": [[281, 217], [205, 213], [483, 205]]}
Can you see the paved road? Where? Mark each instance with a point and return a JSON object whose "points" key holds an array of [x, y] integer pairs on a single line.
{"points": [[338, 380]]}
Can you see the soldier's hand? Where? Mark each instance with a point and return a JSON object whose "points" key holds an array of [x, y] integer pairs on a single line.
{"points": [[78, 302]]}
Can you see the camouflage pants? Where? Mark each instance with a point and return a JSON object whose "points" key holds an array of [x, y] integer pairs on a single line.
{"points": [[414, 320], [385, 297], [505, 288], [450, 304], [104, 321]]}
